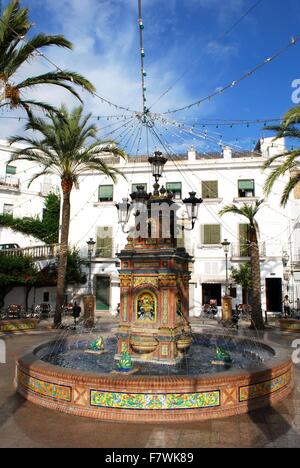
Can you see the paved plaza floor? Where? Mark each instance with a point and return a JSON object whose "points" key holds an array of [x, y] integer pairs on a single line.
{"points": [[23, 424]]}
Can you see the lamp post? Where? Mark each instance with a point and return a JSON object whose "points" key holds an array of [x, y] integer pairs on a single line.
{"points": [[226, 246], [91, 245], [141, 198], [192, 206]]}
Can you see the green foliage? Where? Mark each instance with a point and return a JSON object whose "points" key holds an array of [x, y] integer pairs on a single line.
{"points": [[67, 148], [289, 161], [242, 275], [15, 271], [74, 274], [15, 54], [19, 269], [51, 216], [46, 230]]}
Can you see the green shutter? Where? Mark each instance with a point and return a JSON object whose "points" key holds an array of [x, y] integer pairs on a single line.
{"points": [[244, 236], [246, 184], [11, 170], [135, 186], [210, 189], [106, 192], [211, 234], [181, 240], [104, 244], [175, 188]]}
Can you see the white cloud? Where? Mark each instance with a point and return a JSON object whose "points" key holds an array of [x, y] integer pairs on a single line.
{"points": [[106, 51]]}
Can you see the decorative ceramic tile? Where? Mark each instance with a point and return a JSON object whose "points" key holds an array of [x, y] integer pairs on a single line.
{"points": [[265, 388], [125, 305], [9, 327], [145, 280], [165, 306], [46, 389], [145, 401], [146, 265]]}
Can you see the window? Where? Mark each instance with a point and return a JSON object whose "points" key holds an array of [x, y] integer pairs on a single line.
{"points": [[46, 297], [176, 189], [11, 170], [211, 234], [135, 186], [106, 193], [181, 239], [246, 188], [8, 209], [210, 189], [244, 236], [104, 244]]}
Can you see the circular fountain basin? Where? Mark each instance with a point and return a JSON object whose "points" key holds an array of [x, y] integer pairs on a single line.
{"points": [[61, 376], [290, 325]]}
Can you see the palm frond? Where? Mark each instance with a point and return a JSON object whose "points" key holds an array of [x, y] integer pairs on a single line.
{"points": [[293, 182]]}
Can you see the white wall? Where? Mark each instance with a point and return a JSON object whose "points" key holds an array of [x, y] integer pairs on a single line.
{"points": [[87, 214]]}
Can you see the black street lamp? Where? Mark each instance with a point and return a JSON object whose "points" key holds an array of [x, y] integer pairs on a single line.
{"points": [[192, 206], [285, 259], [157, 162], [91, 245], [140, 198], [123, 211], [226, 246]]}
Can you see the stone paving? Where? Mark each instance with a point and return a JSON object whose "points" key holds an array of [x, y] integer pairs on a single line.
{"points": [[25, 425]]}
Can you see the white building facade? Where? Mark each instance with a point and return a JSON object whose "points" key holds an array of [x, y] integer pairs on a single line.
{"points": [[220, 179]]}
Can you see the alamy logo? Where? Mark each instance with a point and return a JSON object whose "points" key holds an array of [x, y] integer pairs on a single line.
{"points": [[2, 352], [296, 353], [296, 93]]}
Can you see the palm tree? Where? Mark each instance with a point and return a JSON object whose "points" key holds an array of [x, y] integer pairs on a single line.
{"points": [[249, 211], [15, 53], [67, 148], [291, 162]]}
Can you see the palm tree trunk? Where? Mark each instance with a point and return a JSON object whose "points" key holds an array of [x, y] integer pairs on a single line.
{"points": [[256, 314], [63, 255]]}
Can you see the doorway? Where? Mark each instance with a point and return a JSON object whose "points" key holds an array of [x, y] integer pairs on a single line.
{"points": [[211, 291], [274, 294], [102, 293]]}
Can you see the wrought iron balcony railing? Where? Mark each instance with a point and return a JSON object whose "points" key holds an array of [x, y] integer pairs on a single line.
{"points": [[244, 250], [10, 183], [296, 262]]}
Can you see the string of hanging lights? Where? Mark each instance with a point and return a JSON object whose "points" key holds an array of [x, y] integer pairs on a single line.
{"points": [[38, 53], [237, 81]]}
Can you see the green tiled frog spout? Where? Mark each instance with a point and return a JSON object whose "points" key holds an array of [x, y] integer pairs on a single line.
{"points": [[222, 355], [125, 362]]}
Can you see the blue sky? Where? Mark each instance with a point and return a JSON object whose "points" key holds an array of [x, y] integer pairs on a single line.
{"points": [[179, 35]]}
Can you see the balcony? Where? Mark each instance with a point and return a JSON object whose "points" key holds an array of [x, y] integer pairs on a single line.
{"points": [[40, 252], [296, 263], [9, 183], [46, 189], [242, 251]]}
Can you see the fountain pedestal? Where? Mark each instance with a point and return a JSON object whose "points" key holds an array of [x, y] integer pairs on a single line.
{"points": [[154, 305]]}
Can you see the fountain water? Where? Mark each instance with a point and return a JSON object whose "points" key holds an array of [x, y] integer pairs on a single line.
{"points": [[155, 368]]}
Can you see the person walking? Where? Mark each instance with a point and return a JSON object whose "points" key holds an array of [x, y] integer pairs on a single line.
{"points": [[76, 312], [286, 307]]}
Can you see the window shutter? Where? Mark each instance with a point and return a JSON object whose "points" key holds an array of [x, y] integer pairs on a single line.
{"points": [[135, 186], [212, 234], [11, 170], [106, 192], [104, 244], [175, 188], [244, 236], [210, 189], [246, 184], [181, 240]]}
